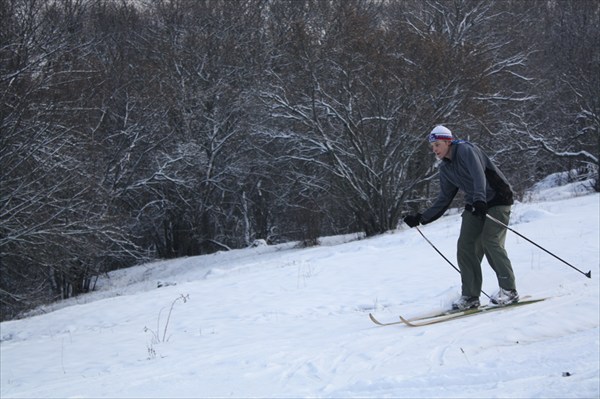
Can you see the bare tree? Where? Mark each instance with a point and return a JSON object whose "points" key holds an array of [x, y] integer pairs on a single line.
{"points": [[57, 230], [133, 130], [568, 124]]}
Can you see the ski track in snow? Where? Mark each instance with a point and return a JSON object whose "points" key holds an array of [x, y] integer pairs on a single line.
{"points": [[277, 321]]}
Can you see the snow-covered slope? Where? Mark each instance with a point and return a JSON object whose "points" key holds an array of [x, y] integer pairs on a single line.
{"points": [[284, 322]]}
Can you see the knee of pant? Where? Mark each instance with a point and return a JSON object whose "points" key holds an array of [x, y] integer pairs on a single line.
{"points": [[467, 241], [461, 248], [492, 245]]}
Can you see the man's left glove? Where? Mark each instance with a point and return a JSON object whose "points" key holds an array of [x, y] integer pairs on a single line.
{"points": [[480, 209], [413, 220]]}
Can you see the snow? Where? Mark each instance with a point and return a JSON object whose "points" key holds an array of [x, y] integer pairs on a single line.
{"points": [[279, 321]]}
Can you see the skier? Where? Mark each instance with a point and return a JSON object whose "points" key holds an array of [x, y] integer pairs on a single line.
{"points": [[466, 167]]}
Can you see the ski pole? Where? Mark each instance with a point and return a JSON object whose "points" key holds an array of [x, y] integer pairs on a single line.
{"points": [[442, 255], [588, 274]]}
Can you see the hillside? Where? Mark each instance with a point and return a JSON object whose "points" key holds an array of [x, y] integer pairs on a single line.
{"points": [[278, 321]]}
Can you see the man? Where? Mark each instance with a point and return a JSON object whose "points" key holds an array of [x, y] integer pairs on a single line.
{"points": [[466, 167]]}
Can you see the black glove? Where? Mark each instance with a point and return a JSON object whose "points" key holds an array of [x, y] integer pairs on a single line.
{"points": [[413, 220], [480, 209]]}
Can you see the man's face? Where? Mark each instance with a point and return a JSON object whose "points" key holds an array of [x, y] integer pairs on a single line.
{"points": [[441, 148]]}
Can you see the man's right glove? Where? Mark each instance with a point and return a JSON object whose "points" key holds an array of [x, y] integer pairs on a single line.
{"points": [[413, 220]]}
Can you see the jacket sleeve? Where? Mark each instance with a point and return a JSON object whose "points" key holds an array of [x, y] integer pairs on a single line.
{"points": [[447, 193], [473, 163]]}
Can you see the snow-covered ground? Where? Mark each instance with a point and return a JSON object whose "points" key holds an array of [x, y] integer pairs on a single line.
{"points": [[278, 321]]}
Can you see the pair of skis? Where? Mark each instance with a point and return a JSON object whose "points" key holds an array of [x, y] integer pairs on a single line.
{"points": [[453, 314]]}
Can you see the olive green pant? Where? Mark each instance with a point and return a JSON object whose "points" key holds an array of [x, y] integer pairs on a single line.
{"points": [[484, 237]]}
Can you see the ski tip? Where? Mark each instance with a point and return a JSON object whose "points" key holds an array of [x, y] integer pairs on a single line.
{"points": [[408, 322], [374, 320]]}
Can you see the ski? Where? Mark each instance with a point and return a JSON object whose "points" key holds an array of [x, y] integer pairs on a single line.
{"points": [[422, 317], [374, 320], [465, 313], [455, 311], [433, 315]]}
